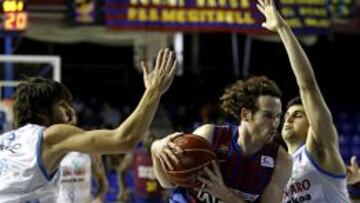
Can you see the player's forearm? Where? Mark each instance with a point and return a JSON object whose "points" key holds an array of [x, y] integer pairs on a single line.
{"points": [[159, 171], [101, 179], [299, 61], [121, 183], [98, 170], [103, 187], [136, 125], [102, 184], [315, 106]]}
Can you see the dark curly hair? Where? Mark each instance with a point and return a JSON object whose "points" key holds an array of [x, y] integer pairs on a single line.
{"points": [[244, 94], [36, 95]]}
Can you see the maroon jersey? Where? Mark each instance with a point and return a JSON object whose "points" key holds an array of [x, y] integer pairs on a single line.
{"points": [[145, 183], [246, 176]]}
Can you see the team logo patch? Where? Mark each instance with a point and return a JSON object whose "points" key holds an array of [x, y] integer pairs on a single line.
{"points": [[223, 149], [267, 161]]}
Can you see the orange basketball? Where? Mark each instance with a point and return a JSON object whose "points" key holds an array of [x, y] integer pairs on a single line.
{"points": [[198, 153]]}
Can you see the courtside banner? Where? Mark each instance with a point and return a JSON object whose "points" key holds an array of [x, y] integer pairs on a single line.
{"points": [[304, 16]]}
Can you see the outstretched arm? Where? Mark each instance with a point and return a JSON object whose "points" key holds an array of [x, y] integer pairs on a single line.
{"points": [[322, 139], [315, 107], [60, 139]]}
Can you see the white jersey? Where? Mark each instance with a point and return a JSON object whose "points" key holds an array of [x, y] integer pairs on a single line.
{"points": [[311, 184], [22, 175], [75, 178]]}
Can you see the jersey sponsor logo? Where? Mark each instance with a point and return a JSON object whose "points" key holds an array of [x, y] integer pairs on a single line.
{"points": [[9, 145], [151, 186], [298, 187], [295, 192], [299, 199], [146, 172], [267, 161], [11, 137], [73, 173], [208, 198], [246, 196], [223, 149], [13, 147]]}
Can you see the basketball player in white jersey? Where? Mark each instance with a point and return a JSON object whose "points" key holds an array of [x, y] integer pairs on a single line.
{"points": [[76, 171], [319, 173], [45, 133]]}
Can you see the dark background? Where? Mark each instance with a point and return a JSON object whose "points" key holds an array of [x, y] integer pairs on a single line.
{"points": [[108, 71]]}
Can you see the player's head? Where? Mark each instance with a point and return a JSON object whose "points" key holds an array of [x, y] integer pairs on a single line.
{"points": [[256, 103], [296, 124], [42, 101]]}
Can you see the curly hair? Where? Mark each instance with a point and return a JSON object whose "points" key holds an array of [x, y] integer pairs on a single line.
{"points": [[244, 94], [36, 95]]}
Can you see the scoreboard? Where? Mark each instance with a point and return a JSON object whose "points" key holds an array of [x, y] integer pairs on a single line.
{"points": [[13, 16]]}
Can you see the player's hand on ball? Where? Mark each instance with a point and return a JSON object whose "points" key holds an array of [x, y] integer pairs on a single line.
{"points": [[214, 183], [168, 151]]}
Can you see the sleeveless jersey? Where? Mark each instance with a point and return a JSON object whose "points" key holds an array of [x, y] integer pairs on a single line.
{"points": [[22, 175], [246, 176], [310, 183], [75, 178]]}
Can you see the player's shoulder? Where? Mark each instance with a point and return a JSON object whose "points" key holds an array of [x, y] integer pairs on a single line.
{"points": [[28, 128], [209, 130], [26, 132], [58, 132], [205, 131]]}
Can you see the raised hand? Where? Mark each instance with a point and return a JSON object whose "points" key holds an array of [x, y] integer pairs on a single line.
{"points": [[353, 172], [161, 77], [274, 21]]}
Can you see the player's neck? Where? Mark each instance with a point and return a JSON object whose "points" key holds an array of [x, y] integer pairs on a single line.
{"points": [[248, 144], [294, 146]]}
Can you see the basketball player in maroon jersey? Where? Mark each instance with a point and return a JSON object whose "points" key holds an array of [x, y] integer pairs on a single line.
{"points": [[252, 167], [144, 186]]}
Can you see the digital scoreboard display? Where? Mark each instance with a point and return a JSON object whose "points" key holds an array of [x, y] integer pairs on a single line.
{"points": [[13, 16]]}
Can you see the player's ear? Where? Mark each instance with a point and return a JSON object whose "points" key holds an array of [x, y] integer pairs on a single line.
{"points": [[245, 114]]}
